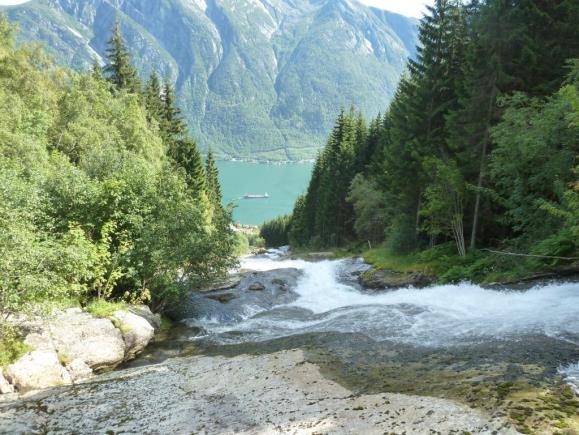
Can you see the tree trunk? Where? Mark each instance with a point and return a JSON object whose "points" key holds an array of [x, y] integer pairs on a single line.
{"points": [[481, 173]]}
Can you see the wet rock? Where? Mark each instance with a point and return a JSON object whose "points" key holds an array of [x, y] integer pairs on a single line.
{"points": [[223, 298], [228, 283], [137, 333], [282, 285], [256, 287], [259, 290], [387, 279], [5, 387], [202, 394], [36, 370]]}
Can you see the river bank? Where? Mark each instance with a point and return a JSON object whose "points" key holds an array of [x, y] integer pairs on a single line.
{"points": [[69, 346], [298, 346], [441, 265], [276, 393]]}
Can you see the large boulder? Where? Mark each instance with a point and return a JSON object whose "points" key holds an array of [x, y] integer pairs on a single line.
{"points": [[146, 313], [137, 332], [97, 342], [72, 345], [5, 386], [37, 369]]}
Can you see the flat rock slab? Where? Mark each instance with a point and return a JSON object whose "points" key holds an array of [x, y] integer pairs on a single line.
{"points": [[267, 394]]}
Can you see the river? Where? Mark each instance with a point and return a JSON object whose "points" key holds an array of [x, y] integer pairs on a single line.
{"points": [[297, 346], [282, 182]]}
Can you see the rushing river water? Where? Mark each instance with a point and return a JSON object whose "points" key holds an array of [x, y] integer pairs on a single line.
{"points": [[257, 353], [441, 318]]}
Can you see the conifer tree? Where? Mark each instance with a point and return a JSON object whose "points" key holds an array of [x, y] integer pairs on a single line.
{"points": [[213, 186], [188, 157], [119, 70], [97, 71], [172, 124], [153, 98]]}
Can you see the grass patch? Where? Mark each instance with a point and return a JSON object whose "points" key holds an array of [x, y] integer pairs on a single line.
{"points": [[64, 359], [11, 345], [382, 259], [104, 309], [447, 267]]}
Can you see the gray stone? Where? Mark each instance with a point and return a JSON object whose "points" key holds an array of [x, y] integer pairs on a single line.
{"points": [[78, 335], [257, 286], [137, 332], [387, 280], [36, 370], [79, 370], [145, 312], [5, 387]]}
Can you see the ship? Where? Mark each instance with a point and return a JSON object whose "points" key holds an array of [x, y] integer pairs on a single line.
{"points": [[252, 196]]}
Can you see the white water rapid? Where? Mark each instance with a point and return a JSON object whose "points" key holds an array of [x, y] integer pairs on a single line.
{"points": [[440, 316]]}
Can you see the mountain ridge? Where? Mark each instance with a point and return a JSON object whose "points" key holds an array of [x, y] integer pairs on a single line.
{"points": [[255, 78]]}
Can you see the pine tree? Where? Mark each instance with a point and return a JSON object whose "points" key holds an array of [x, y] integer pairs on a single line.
{"points": [[172, 124], [187, 156], [487, 77], [119, 70], [97, 71], [213, 186], [153, 98]]}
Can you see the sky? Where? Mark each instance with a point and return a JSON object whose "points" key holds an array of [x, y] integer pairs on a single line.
{"points": [[411, 8]]}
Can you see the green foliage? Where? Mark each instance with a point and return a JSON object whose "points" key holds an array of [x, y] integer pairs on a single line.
{"points": [[241, 244], [255, 240], [276, 232], [369, 209], [481, 140], [11, 345], [95, 199], [120, 70]]}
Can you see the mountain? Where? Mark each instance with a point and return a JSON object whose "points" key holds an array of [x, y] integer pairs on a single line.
{"points": [[255, 78]]}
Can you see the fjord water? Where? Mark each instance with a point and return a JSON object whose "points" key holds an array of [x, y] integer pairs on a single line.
{"points": [[282, 182], [437, 318]]}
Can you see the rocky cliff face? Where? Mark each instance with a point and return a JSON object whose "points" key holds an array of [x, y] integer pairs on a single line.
{"points": [[256, 78]]}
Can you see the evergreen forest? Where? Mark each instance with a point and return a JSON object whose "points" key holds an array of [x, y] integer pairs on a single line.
{"points": [[477, 152]]}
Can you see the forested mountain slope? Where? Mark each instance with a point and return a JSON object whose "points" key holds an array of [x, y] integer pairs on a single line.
{"points": [[256, 78], [479, 149]]}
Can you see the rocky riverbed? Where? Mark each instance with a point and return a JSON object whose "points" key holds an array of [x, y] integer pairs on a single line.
{"points": [[297, 346], [279, 392]]}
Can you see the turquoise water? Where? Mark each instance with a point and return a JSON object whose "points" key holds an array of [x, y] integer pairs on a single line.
{"points": [[283, 183]]}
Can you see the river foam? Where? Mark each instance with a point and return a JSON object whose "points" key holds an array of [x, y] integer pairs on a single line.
{"points": [[439, 316], [442, 315]]}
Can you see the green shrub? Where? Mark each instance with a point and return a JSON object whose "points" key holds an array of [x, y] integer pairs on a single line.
{"points": [[241, 244], [166, 324], [255, 240], [11, 345]]}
